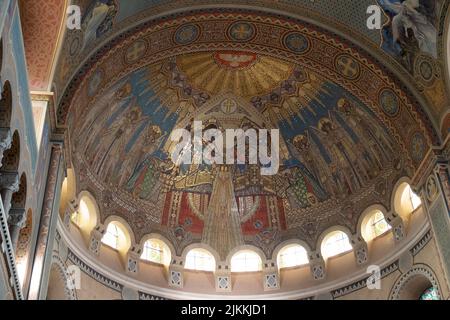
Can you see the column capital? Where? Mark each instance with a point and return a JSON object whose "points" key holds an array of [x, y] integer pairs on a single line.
{"points": [[5, 139], [438, 157], [17, 217], [9, 181]]}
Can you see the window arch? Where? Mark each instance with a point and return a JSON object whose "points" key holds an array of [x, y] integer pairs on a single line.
{"points": [[406, 201], [17, 209], [291, 256], [85, 217], [6, 106], [335, 243], [431, 293], [1, 55], [23, 247], [417, 283], [246, 261], [200, 259], [68, 191], [410, 199], [116, 236], [155, 250], [374, 225], [11, 157]]}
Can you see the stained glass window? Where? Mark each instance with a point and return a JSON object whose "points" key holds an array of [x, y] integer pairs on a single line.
{"points": [[430, 294]]}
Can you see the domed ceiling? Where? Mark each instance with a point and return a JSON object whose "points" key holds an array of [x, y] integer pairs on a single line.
{"points": [[348, 130]]}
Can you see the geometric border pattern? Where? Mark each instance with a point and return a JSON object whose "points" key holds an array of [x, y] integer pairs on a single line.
{"points": [[419, 269]]}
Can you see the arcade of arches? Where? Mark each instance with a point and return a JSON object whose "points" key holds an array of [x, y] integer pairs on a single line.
{"points": [[93, 207]]}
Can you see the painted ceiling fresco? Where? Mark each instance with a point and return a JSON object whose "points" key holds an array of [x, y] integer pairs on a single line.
{"points": [[409, 40], [333, 146], [41, 24], [348, 129]]}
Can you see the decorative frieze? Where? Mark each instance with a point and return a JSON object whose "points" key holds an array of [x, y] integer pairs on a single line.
{"points": [[363, 282]]}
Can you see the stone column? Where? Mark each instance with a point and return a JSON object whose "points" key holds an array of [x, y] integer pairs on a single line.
{"points": [[398, 228], [223, 277], [437, 207], [317, 265], [176, 270], [47, 225], [434, 183], [133, 257], [5, 142], [9, 184], [95, 240], [360, 250], [16, 220], [72, 207], [271, 276]]}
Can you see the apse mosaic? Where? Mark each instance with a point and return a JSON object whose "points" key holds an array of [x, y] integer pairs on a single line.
{"points": [[410, 34], [333, 146], [348, 131]]}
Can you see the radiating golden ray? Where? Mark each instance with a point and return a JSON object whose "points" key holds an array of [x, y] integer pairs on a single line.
{"points": [[258, 78]]}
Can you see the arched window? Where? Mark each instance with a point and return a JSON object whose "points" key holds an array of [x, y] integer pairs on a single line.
{"points": [[75, 217], [85, 217], [430, 294], [82, 215], [291, 256], [246, 261], [199, 259], [410, 199], [335, 243], [114, 236], [374, 226], [156, 251], [406, 201]]}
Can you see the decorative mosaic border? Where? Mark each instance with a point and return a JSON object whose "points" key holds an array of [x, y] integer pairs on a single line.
{"points": [[355, 286], [363, 283], [321, 35], [93, 273], [422, 243]]}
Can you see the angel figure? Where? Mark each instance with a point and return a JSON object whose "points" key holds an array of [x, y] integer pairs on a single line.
{"points": [[94, 23], [408, 18]]}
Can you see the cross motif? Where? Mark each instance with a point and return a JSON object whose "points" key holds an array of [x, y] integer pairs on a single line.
{"points": [[242, 32], [348, 67], [228, 106]]}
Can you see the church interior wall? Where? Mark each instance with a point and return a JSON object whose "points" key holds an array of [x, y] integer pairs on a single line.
{"points": [[409, 255]]}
